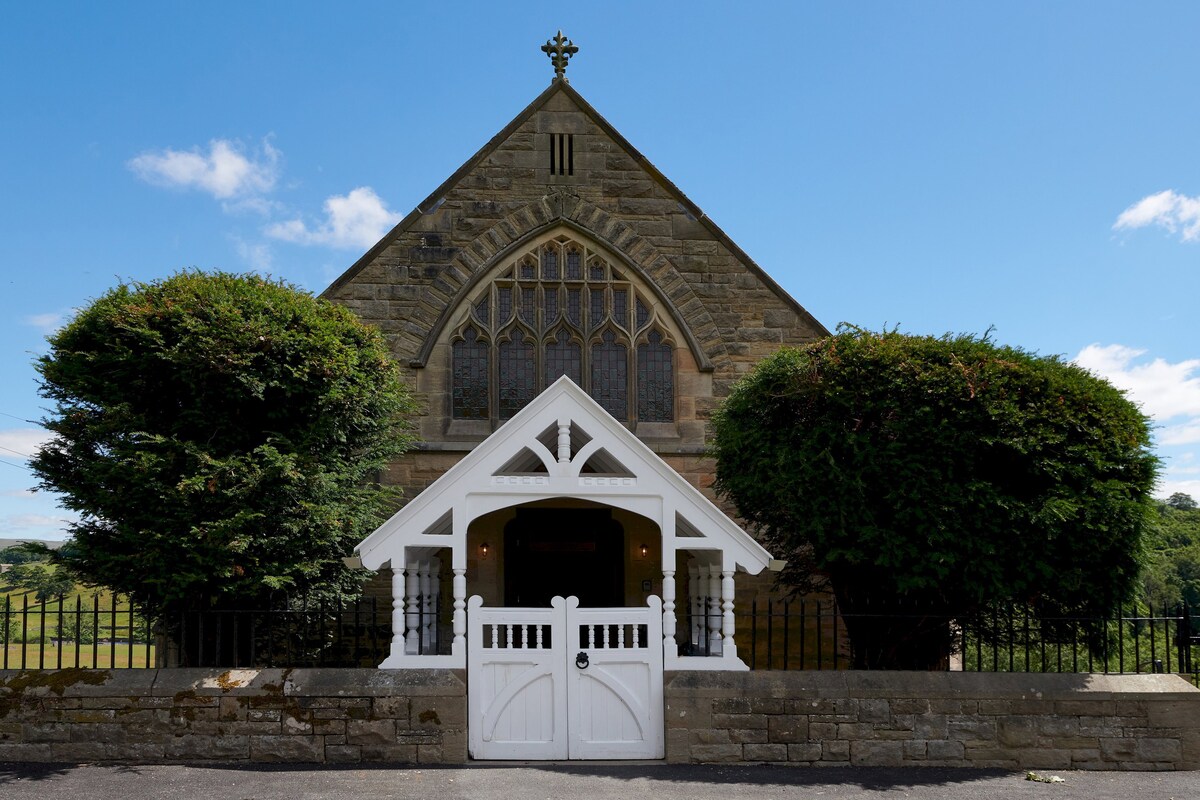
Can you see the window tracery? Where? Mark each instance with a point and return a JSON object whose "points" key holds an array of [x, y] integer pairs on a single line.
{"points": [[562, 308]]}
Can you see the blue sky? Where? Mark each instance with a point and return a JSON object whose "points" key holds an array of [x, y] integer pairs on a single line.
{"points": [[938, 166]]}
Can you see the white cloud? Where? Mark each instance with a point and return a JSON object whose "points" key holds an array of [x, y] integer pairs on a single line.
{"points": [[1164, 390], [225, 172], [22, 441], [1181, 434], [1170, 487], [35, 526], [355, 220], [257, 255], [1168, 392], [18, 493], [1168, 209], [47, 323], [36, 521]]}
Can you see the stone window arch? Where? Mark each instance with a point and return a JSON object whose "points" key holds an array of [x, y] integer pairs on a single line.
{"points": [[561, 306]]}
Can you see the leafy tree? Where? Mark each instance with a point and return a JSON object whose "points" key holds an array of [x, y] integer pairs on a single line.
{"points": [[220, 436], [1181, 501], [1172, 572], [931, 478], [46, 581], [22, 553]]}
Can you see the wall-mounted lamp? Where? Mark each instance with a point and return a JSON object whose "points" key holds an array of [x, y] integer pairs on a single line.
{"points": [[644, 550], [484, 550]]}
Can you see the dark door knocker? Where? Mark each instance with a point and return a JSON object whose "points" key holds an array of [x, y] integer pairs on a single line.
{"points": [[581, 660]]}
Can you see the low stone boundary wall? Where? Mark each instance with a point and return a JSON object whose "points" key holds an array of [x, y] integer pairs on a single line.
{"points": [[1013, 720], [1008, 720], [321, 715]]}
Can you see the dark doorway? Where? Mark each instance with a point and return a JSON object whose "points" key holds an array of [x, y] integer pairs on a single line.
{"points": [[564, 551]]}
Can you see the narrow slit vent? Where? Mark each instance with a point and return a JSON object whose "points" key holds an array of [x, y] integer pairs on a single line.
{"points": [[562, 154]]}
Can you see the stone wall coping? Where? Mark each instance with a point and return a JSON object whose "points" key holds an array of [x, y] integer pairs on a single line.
{"points": [[234, 682], [901, 684]]}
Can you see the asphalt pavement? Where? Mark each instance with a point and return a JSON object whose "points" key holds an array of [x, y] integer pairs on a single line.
{"points": [[579, 781]]}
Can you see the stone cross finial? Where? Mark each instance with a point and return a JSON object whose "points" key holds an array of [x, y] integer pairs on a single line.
{"points": [[559, 49]]}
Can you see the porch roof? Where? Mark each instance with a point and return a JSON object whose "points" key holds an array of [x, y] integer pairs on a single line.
{"points": [[563, 444]]}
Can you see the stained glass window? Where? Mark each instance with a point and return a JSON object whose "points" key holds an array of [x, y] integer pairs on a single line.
{"points": [[517, 376], [506, 302], [596, 310], [610, 368], [528, 305], [563, 357], [574, 304], [620, 310], [470, 395], [501, 363], [550, 265], [655, 380]]}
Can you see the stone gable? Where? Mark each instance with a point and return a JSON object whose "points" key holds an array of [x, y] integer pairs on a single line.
{"points": [[726, 311]]}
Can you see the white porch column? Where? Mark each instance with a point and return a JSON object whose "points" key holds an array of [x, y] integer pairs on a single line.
{"points": [[397, 609], [459, 588], [714, 610], [670, 646], [728, 648], [412, 591]]}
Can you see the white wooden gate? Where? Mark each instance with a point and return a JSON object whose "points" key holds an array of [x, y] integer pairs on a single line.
{"points": [[565, 682]]}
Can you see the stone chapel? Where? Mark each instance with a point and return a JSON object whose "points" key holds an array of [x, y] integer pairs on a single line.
{"points": [[558, 273]]}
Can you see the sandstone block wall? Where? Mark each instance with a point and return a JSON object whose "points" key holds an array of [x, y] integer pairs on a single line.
{"points": [[616, 198], [1012, 721], [313, 715]]}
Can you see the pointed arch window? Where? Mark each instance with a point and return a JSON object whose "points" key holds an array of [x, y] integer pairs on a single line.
{"points": [[610, 375], [561, 308], [470, 378], [517, 373], [656, 387], [564, 357]]}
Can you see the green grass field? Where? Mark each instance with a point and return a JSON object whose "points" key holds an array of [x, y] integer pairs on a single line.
{"points": [[101, 656], [88, 614]]}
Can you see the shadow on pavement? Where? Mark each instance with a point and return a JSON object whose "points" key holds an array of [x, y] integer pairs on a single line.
{"points": [[872, 778]]}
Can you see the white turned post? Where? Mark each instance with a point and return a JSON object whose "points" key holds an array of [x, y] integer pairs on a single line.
{"points": [[397, 610], [412, 591], [714, 610], [564, 441], [460, 613], [670, 647], [696, 599], [728, 648]]}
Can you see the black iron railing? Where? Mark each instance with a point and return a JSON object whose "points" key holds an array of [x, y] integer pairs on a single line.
{"points": [[108, 632], [97, 632], [815, 634]]}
